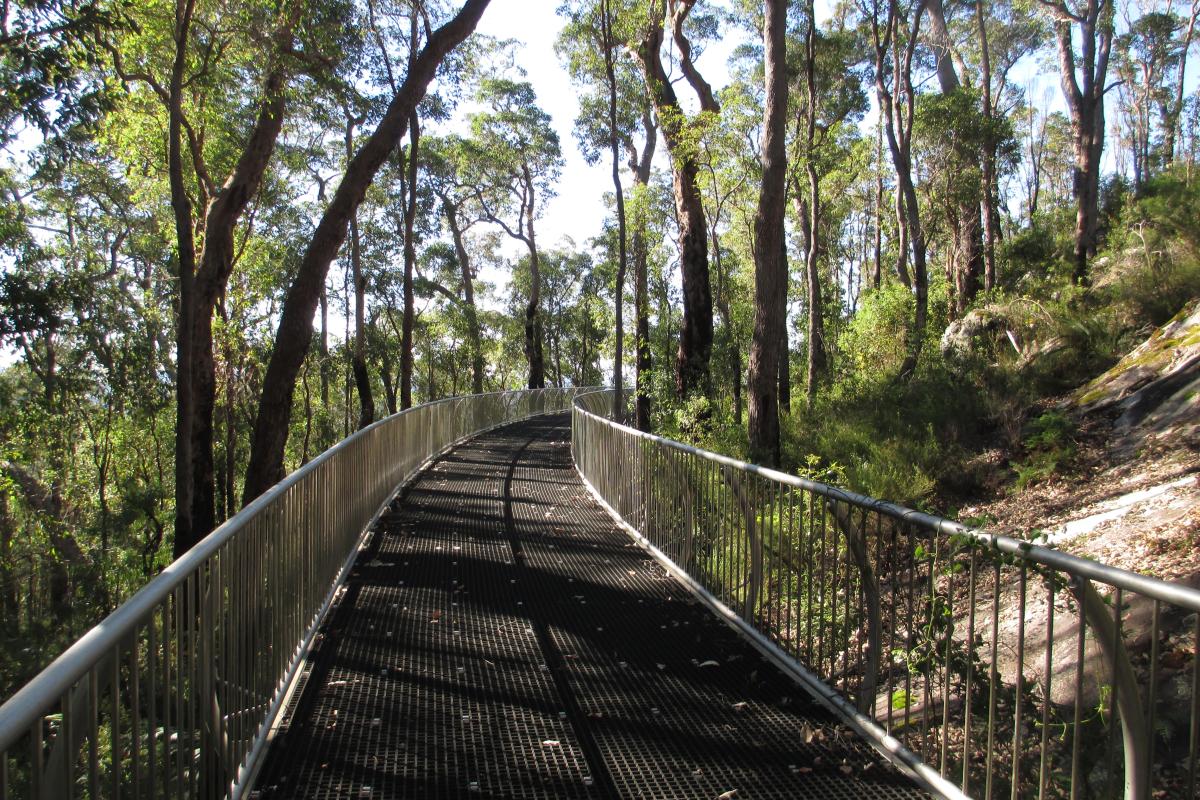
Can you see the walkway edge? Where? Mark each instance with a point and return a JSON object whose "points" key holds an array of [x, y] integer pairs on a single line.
{"points": [[884, 743]]}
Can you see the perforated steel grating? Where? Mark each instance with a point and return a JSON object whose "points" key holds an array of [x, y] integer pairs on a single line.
{"points": [[501, 637]]}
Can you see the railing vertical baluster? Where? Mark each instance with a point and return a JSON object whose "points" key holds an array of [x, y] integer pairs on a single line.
{"points": [[37, 758], [1047, 692], [65, 733], [116, 762], [1076, 737], [1194, 734], [943, 732], [968, 699], [910, 624], [1152, 695], [180, 689], [894, 587], [1020, 678], [993, 682], [135, 717], [930, 568], [93, 736], [151, 705], [1114, 707]]}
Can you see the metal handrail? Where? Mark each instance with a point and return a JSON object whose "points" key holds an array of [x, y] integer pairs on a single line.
{"points": [[870, 602], [183, 681]]}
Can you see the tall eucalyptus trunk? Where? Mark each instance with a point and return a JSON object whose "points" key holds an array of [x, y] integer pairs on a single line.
{"points": [[770, 274]]}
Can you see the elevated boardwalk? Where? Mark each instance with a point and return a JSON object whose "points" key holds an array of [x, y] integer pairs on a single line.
{"points": [[500, 636]]}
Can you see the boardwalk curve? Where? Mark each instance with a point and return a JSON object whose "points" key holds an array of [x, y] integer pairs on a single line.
{"points": [[500, 636]]}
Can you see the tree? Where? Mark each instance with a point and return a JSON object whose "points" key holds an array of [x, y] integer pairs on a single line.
{"points": [[1083, 80], [696, 335], [445, 158], [591, 30], [770, 269], [294, 331], [515, 159], [894, 33], [1147, 56], [829, 99]]}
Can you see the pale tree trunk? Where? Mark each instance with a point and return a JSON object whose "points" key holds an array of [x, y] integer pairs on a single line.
{"points": [[726, 313], [770, 274], [293, 336], [967, 267], [877, 264], [989, 156], [785, 354], [810, 222]]}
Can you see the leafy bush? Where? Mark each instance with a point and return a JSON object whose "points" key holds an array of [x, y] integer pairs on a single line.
{"points": [[1049, 445]]}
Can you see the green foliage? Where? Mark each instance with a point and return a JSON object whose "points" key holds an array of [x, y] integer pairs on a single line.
{"points": [[1152, 267], [1049, 446]]}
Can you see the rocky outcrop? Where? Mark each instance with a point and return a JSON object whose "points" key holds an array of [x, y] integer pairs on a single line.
{"points": [[1153, 393]]}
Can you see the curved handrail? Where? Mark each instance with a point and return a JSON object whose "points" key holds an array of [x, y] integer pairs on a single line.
{"points": [[308, 506], [809, 607], [1174, 593]]}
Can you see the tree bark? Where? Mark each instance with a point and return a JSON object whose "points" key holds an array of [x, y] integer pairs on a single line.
{"points": [[533, 315], [185, 259], [294, 333], [216, 266], [358, 362], [468, 290], [358, 359], [810, 222], [726, 313], [877, 264], [1171, 118], [696, 334], [641, 165], [410, 262], [770, 275], [898, 111], [967, 265], [609, 44], [1086, 106], [785, 357], [989, 155]]}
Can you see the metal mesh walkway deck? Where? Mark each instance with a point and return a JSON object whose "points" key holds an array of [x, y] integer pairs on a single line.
{"points": [[501, 637]]}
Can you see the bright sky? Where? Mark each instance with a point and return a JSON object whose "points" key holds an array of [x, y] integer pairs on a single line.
{"points": [[578, 210]]}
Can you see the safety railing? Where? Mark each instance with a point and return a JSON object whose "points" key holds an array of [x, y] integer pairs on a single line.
{"points": [[984, 665], [174, 694]]}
